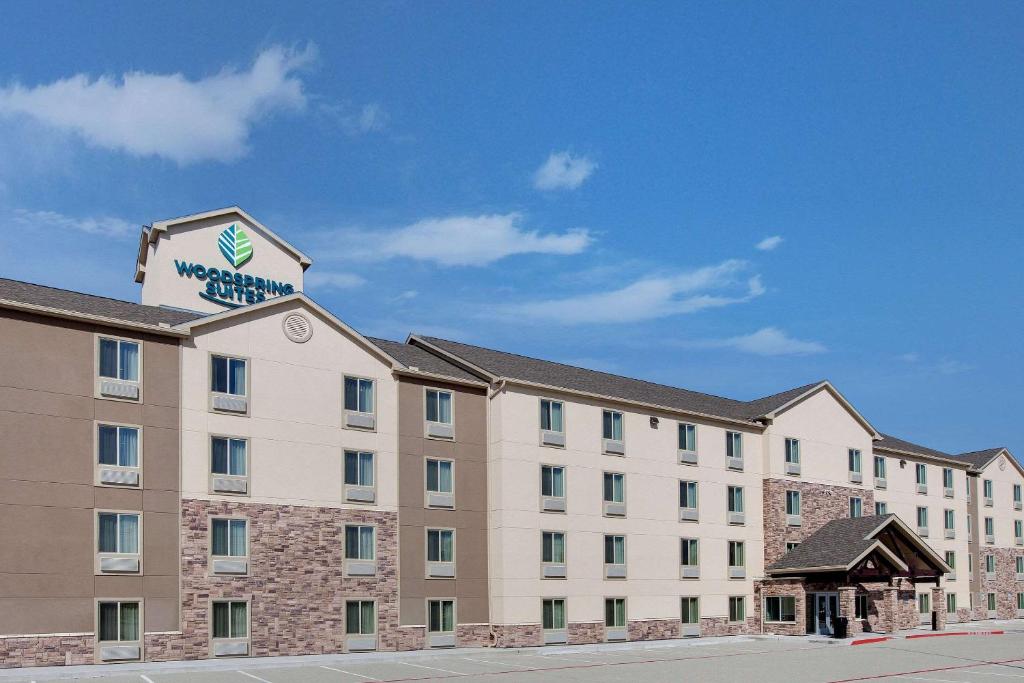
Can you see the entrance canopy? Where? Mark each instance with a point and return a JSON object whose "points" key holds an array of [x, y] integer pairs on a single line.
{"points": [[863, 548]]}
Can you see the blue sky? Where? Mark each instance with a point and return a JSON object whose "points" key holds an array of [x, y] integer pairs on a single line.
{"points": [[733, 198]]}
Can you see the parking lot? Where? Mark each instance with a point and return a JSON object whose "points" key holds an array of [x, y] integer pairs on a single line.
{"points": [[952, 659]]}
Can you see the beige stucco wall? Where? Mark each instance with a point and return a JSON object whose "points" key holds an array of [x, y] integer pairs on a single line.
{"points": [[1003, 475], [48, 418], [196, 242], [652, 526], [294, 426]]}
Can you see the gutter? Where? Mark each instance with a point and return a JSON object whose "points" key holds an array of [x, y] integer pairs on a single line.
{"points": [[163, 329]]}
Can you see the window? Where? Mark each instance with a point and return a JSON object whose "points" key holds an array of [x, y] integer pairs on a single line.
{"points": [[230, 619], [687, 437], [856, 507], [951, 559], [860, 607], [553, 614], [228, 537], [924, 603], [922, 518], [614, 487], [358, 468], [228, 457], [949, 522], [736, 554], [615, 612], [990, 564], [990, 598], [118, 446], [791, 545], [737, 608], [881, 509], [228, 375], [688, 501], [987, 486], [614, 549], [1020, 602], [551, 415], [360, 617], [780, 608], [119, 622], [689, 552], [440, 545], [360, 542], [793, 451], [990, 529], [879, 467], [439, 476], [793, 503], [690, 611], [921, 474], [441, 616], [439, 406], [947, 478], [734, 495], [853, 457], [951, 603], [552, 481], [1020, 564], [611, 421], [552, 547], [358, 395], [1017, 496], [118, 533], [119, 359], [734, 445], [1018, 530]]}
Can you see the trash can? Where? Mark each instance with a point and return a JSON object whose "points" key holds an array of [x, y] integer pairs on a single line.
{"points": [[841, 627], [935, 620]]}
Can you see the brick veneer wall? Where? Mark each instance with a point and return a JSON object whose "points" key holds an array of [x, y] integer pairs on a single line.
{"points": [[411, 638], [296, 580], [1005, 584], [721, 626], [776, 587], [653, 629], [819, 503], [517, 635], [473, 635], [583, 632], [46, 650]]}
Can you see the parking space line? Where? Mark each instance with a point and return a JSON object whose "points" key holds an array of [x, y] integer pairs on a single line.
{"points": [[993, 673], [933, 680], [246, 673], [487, 661], [434, 668], [146, 678], [342, 671]]}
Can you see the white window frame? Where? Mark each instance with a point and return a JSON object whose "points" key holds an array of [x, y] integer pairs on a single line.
{"points": [[440, 545], [230, 559], [780, 610], [858, 503], [234, 645], [438, 498], [554, 503], [361, 420], [118, 554], [113, 650], [98, 379], [213, 394], [220, 483], [358, 493], [742, 617], [116, 474], [426, 400]]}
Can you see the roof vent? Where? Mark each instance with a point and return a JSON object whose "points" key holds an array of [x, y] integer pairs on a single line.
{"points": [[297, 328]]}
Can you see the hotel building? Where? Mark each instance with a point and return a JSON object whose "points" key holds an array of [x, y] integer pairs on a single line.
{"points": [[227, 469]]}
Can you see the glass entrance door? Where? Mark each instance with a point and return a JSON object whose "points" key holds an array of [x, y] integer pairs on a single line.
{"points": [[826, 607]]}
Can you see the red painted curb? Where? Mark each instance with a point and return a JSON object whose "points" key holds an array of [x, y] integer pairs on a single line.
{"points": [[957, 633], [868, 641]]}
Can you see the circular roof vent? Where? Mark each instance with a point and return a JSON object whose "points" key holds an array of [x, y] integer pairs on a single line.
{"points": [[297, 328]]}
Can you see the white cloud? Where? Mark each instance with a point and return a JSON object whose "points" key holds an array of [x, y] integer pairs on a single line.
{"points": [[103, 226], [167, 115], [562, 171], [329, 280], [646, 299], [769, 243], [370, 118], [459, 241], [771, 341]]}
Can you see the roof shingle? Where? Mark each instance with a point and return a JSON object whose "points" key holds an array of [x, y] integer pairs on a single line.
{"points": [[415, 357]]}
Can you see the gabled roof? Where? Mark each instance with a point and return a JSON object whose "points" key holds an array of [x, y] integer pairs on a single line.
{"points": [[153, 233], [494, 366], [841, 544], [771, 407], [64, 303], [979, 460], [421, 361], [892, 444]]}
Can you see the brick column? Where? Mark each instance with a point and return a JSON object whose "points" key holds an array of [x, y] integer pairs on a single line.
{"points": [[888, 614], [848, 609], [939, 605]]}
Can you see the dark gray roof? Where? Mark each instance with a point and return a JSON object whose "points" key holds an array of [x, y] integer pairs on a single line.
{"points": [[524, 368], [838, 543], [89, 304], [980, 459], [416, 357], [896, 444]]}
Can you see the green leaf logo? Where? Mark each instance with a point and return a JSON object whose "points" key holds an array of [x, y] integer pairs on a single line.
{"points": [[235, 245]]}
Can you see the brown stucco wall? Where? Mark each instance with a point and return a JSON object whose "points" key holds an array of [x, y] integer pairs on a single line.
{"points": [[469, 518], [47, 497]]}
